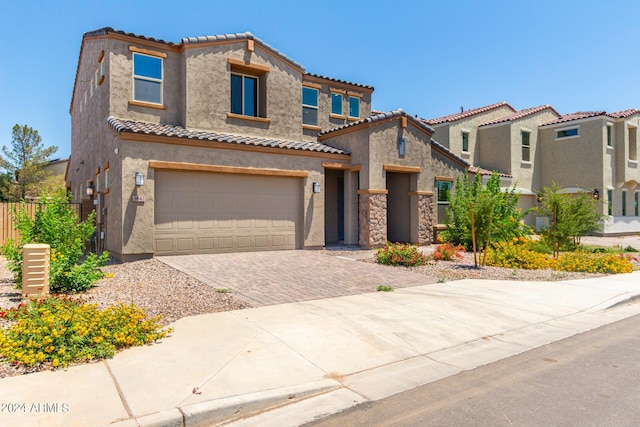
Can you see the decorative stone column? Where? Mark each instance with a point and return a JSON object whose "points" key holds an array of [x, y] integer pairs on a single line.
{"points": [[372, 206], [425, 218]]}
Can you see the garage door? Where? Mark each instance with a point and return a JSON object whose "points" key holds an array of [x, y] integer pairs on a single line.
{"points": [[209, 213]]}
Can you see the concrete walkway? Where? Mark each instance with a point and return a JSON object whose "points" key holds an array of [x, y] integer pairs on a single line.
{"points": [[284, 365]]}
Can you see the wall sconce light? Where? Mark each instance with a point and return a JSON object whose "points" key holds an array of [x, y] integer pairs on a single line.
{"points": [[402, 147], [316, 187], [139, 179], [595, 194], [89, 188]]}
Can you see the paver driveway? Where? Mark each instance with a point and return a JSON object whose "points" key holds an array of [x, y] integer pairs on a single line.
{"points": [[265, 278]]}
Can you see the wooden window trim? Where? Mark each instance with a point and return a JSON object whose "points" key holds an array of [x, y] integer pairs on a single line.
{"points": [[337, 116], [148, 52], [374, 191], [248, 67], [101, 56], [227, 169], [339, 91], [249, 118], [445, 178], [311, 127], [402, 168], [147, 104], [312, 85]]}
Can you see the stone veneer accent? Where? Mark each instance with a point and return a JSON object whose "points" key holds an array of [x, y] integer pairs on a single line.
{"points": [[425, 219], [373, 219]]}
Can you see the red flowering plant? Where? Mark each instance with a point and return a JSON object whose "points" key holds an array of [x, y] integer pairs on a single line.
{"points": [[400, 254], [448, 252]]}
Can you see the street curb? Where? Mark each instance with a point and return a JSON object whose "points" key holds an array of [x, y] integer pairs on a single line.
{"points": [[230, 409]]}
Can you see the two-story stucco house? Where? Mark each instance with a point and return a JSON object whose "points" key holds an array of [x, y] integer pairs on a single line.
{"points": [[533, 148], [223, 143]]}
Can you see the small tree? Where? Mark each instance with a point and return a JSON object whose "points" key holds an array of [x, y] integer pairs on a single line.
{"points": [[24, 162], [570, 217], [479, 214], [57, 224]]}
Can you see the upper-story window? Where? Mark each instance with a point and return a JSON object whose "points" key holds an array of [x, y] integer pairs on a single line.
{"points": [[609, 135], [244, 94], [526, 146], [565, 133], [354, 107], [147, 78], [633, 143], [465, 141], [610, 202], [336, 103], [309, 106]]}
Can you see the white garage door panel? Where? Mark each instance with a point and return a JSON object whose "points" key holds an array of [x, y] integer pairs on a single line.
{"points": [[208, 213]]}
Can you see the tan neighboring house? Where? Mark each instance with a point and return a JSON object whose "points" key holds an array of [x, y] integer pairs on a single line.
{"points": [[224, 144], [594, 152]]}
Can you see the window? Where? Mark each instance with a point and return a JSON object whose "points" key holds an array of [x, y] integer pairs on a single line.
{"points": [[336, 103], [354, 106], [566, 133], [97, 184], [635, 203], [106, 179], [633, 144], [244, 95], [147, 78], [443, 188], [465, 141], [309, 106], [624, 202], [609, 136], [526, 146], [610, 202]]}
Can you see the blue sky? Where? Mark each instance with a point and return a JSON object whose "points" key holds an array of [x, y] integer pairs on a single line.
{"points": [[427, 57]]}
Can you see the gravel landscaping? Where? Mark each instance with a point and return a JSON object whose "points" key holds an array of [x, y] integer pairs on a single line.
{"points": [[165, 291]]}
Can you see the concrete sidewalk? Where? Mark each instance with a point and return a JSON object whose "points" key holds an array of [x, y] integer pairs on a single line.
{"points": [[289, 364]]}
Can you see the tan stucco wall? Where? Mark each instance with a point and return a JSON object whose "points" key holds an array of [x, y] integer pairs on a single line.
{"points": [[494, 147], [470, 124], [121, 85], [138, 217]]}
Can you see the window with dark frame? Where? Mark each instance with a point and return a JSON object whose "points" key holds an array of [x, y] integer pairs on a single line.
{"points": [[309, 106], [443, 189], [526, 146], [244, 95], [567, 133], [465, 141], [610, 202], [336, 103]]}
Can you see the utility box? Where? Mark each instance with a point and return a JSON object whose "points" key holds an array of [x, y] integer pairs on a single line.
{"points": [[35, 270]]}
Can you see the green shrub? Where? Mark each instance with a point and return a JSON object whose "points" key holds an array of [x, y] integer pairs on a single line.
{"points": [[383, 288], [59, 330], [400, 254], [57, 224]]}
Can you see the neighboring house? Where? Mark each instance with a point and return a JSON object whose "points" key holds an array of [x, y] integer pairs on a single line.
{"points": [[594, 152], [56, 167], [223, 144]]}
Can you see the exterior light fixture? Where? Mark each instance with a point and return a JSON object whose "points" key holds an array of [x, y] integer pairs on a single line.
{"points": [[139, 179], [89, 188], [595, 194], [316, 187]]}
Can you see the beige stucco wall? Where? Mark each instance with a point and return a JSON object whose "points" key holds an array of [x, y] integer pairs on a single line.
{"points": [[627, 170], [121, 84], [138, 217], [494, 147], [470, 125]]}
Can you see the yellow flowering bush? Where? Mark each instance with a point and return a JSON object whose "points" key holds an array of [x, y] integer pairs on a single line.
{"points": [[594, 263], [59, 330], [525, 253], [518, 253]]}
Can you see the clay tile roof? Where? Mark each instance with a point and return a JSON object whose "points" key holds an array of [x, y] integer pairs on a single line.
{"points": [[339, 81], [379, 117], [522, 114], [624, 113], [467, 113], [240, 36], [398, 113], [482, 171], [106, 30], [575, 116], [132, 126]]}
